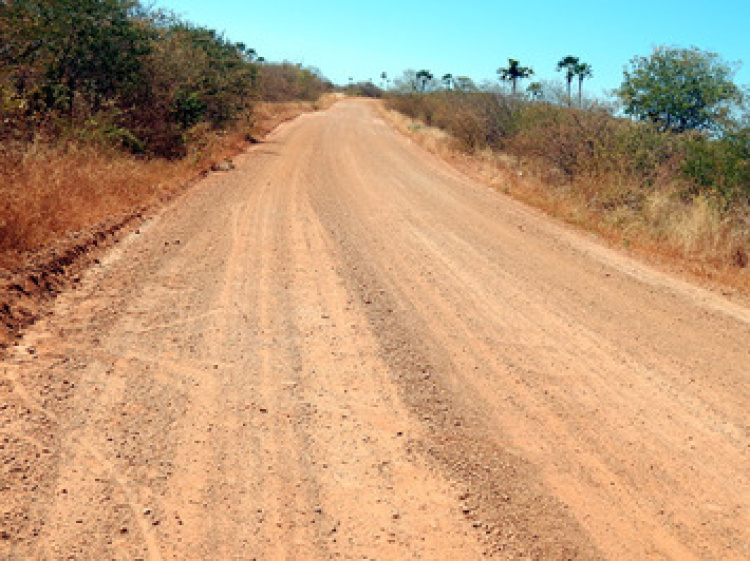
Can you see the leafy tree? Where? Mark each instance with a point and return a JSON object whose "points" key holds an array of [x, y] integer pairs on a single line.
{"points": [[448, 81], [464, 84], [680, 89], [569, 64], [514, 72], [535, 90], [406, 83], [583, 70]]}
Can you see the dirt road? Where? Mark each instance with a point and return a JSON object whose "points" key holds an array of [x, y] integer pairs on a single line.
{"points": [[344, 349]]}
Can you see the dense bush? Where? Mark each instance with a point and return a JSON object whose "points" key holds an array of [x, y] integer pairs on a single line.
{"points": [[720, 167], [287, 81], [363, 89], [573, 144], [476, 120], [115, 72], [65, 56]]}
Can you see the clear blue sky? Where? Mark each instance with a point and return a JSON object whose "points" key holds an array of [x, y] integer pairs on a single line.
{"points": [[474, 37]]}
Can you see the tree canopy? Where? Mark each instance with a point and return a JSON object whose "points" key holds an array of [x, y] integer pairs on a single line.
{"points": [[145, 77], [57, 52], [514, 72], [680, 89], [569, 64], [424, 79]]}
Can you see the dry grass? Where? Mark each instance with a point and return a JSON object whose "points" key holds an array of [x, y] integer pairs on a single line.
{"points": [[53, 189], [685, 235]]}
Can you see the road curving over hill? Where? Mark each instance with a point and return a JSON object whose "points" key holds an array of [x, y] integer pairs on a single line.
{"points": [[345, 349]]}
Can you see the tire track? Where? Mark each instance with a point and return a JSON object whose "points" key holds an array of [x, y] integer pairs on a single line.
{"points": [[120, 480]]}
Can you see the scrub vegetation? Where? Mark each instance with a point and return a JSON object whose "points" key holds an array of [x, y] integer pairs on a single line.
{"points": [[665, 169], [107, 106]]}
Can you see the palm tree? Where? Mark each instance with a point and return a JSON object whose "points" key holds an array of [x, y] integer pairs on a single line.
{"points": [[583, 70], [423, 78], [568, 64], [448, 81], [513, 73]]}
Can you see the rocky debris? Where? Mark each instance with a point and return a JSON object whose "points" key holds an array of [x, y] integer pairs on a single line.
{"points": [[223, 165]]}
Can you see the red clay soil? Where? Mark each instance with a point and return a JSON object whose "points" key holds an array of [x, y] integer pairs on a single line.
{"points": [[344, 348]]}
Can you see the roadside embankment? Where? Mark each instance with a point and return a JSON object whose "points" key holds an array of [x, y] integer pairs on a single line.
{"points": [[63, 202], [630, 191]]}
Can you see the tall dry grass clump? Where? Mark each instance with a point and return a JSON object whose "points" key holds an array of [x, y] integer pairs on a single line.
{"points": [[50, 190]]}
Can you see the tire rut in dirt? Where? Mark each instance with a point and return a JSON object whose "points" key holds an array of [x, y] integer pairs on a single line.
{"points": [[503, 498]]}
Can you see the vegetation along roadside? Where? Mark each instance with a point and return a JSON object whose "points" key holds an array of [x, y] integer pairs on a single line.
{"points": [[664, 171], [108, 108]]}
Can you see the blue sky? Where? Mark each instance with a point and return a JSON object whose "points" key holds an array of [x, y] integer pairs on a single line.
{"points": [[474, 37]]}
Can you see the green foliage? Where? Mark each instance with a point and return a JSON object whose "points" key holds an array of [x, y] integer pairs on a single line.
{"points": [[188, 108], [70, 55], [627, 160], [424, 80], [514, 72], [680, 90], [720, 167], [204, 75], [103, 130], [119, 73]]}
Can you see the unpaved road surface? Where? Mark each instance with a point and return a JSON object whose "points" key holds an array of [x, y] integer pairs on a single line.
{"points": [[344, 349]]}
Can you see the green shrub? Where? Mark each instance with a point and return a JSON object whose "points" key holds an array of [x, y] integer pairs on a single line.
{"points": [[129, 76], [720, 167]]}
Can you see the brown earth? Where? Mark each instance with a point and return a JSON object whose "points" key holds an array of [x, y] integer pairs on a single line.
{"points": [[344, 348]]}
